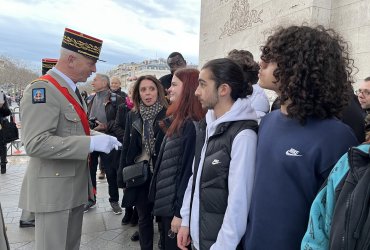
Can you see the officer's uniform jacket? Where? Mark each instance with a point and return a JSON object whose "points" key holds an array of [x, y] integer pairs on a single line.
{"points": [[57, 177]]}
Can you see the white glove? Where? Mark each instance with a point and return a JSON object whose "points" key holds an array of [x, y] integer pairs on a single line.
{"points": [[104, 143]]}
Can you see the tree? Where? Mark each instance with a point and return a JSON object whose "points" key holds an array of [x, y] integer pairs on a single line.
{"points": [[14, 75]]}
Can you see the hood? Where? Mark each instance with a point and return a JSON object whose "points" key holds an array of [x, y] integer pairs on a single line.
{"points": [[241, 110]]}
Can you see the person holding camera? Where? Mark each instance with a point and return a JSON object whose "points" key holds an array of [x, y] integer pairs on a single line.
{"points": [[102, 110]]}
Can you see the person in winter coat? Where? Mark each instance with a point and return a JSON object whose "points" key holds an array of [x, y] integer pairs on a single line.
{"points": [[173, 166], [122, 112], [142, 141]]}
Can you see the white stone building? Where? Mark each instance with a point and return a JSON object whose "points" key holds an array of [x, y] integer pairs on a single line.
{"points": [[246, 24]]}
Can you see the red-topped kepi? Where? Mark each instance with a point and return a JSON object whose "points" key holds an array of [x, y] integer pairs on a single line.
{"points": [[81, 43], [48, 63]]}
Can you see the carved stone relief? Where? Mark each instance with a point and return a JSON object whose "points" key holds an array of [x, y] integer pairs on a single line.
{"points": [[240, 18]]}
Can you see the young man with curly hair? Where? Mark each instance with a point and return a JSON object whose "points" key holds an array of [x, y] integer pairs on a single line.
{"points": [[298, 144]]}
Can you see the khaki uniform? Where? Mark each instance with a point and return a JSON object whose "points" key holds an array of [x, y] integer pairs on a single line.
{"points": [[57, 177]]}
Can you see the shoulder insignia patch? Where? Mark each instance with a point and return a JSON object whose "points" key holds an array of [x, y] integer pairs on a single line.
{"points": [[38, 95]]}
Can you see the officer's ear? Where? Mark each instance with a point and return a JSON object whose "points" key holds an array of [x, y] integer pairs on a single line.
{"points": [[71, 59]]}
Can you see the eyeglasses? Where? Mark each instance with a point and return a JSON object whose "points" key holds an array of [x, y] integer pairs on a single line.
{"points": [[363, 91], [171, 234]]}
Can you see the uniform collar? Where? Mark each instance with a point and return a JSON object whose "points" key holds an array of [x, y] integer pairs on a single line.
{"points": [[65, 78]]}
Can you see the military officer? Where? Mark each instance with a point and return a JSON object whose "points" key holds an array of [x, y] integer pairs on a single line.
{"points": [[57, 138]]}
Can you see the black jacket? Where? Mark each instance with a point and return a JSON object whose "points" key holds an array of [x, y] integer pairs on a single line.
{"points": [[120, 122], [120, 93], [132, 148], [172, 171], [350, 228], [213, 193], [111, 104], [4, 110], [353, 117], [166, 81]]}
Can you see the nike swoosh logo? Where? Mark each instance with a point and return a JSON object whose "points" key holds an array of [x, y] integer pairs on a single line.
{"points": [[215, 161], [291, 154]]}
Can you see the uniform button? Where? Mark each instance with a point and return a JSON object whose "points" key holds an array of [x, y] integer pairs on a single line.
{"points": [[57, 174], [75, 120], [52, 147], [67, 149], [59, 154]]}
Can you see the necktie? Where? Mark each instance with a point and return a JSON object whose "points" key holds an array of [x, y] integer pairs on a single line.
{"points": [[78, 95]]}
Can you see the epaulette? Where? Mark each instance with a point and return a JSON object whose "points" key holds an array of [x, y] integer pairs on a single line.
{"points": [[38, 80]]}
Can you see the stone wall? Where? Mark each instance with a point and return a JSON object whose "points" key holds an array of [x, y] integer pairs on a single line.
{"points": [[246, 24]]}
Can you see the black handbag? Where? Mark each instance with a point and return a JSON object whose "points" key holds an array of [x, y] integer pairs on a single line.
{"points": [[9, 130], [136, 175]]}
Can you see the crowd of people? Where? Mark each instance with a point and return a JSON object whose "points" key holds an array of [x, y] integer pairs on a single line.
{"points": [[200, 153]]}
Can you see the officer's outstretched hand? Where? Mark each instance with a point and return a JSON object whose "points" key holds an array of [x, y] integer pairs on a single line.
{"points": [[104, 143]]}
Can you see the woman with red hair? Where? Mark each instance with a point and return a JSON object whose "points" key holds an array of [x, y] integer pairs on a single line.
{"points": [[174, 165]]}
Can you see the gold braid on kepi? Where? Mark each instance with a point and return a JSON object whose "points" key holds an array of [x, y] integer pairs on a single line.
{"points": [[81, 43], [48, 63]]}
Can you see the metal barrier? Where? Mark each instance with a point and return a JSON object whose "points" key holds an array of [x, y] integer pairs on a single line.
{"points": [[15, 148]]}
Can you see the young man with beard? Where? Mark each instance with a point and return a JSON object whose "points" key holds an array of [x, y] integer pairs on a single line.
{"points": [[219, 191]]}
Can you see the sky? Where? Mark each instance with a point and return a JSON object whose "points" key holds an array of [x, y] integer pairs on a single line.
{"points": [[131, 30]]}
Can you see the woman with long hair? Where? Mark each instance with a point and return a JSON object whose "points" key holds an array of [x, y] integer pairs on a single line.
{"points": [[142, 141], [174, 165], [130, 216]]}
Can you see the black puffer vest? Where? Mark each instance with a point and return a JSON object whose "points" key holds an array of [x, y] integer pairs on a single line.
{"points": [[167, 175], [213, 186]]}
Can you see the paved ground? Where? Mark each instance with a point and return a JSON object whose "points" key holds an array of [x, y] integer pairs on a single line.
{"points": [[101, 230]]}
